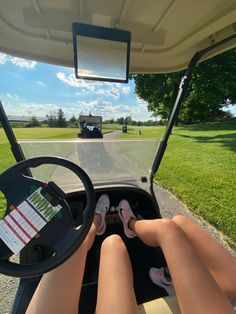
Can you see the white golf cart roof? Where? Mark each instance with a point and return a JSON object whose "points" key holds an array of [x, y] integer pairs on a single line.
{"points": [[165, 33]]}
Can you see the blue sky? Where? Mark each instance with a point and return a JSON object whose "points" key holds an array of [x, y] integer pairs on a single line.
{"points": [[34, 88]]}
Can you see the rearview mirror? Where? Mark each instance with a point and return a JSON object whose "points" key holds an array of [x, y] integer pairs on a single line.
{"points": [[101, 53]]}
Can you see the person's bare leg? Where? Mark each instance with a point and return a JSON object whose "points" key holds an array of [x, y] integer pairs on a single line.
{"points": [[115, 283], [59, 290], [196, 289], [219, 262]]}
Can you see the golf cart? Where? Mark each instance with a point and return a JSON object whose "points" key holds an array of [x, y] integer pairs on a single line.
{"points": [[90, 126], [98, 38]]}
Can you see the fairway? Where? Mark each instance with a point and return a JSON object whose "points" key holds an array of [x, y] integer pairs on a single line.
{"points": [[199, 166], [41, 133]]}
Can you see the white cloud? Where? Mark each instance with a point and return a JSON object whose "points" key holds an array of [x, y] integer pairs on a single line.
{"points": [[16, 106], [141, 103], [112, 92], [30, 109], [11, 96], [40, 83], [39, 109], [68, 80], [231, 108], [126, 90], [109, 110], [96, 107], [106, 89], [22, 63], [3, 58], [72, 81]]}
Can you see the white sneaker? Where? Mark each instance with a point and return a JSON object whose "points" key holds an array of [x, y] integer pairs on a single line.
{"points": [[126, 214], [157, 276], [102, 208]]}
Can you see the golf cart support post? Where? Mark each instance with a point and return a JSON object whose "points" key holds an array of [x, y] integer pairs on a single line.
{"points": [[15, 147]]}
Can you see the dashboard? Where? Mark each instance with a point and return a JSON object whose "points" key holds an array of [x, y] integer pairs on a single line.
{"points": [[140, 201]]}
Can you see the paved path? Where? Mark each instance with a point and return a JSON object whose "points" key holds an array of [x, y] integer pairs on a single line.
{"points": [[8, 287], [112, 134]]}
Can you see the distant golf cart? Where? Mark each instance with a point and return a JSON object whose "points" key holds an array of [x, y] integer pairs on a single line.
{"points": [[90, 126], [124, 128], [125, 125]]}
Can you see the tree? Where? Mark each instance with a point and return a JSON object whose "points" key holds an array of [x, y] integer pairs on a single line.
{"points": [[128, 120], [51, 121], [213, 86], [34, 122], [120, 120], [61, 120], [73, 121], [228, 115], [109, 121]]}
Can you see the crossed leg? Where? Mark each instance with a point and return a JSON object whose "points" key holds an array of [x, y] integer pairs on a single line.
{"points": [[218, 261], [198, 291]]}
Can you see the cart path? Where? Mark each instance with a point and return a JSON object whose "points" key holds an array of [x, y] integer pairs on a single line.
{"points": [[8, 288], [112, 134], [169, 207]]}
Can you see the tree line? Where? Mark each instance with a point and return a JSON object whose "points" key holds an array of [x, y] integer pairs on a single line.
{"points": [[59, 121], [53, 120], [129, 121]]}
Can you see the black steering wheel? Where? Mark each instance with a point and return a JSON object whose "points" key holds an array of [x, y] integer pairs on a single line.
{"points": [[59, 234]]}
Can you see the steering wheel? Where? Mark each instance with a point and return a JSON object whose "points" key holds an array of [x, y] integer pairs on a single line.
{"points": [[59, 233]]}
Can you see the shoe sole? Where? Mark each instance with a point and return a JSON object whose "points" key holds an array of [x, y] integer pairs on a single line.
{"points": [[129, 233]]}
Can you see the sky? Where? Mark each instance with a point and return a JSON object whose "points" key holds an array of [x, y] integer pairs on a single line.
{"points": [[33, 88], [30, 88]]}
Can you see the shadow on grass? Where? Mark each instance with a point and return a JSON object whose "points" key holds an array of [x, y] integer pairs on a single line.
{"points": [[226, 140], [211, 126]]}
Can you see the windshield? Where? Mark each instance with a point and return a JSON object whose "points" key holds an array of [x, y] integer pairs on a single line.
{"points": [[105, 161]]}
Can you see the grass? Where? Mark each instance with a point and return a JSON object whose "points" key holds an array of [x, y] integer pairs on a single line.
{"points": [[44, 133], [146, 132], [199, 166], [6, 160], [106, 128]]}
